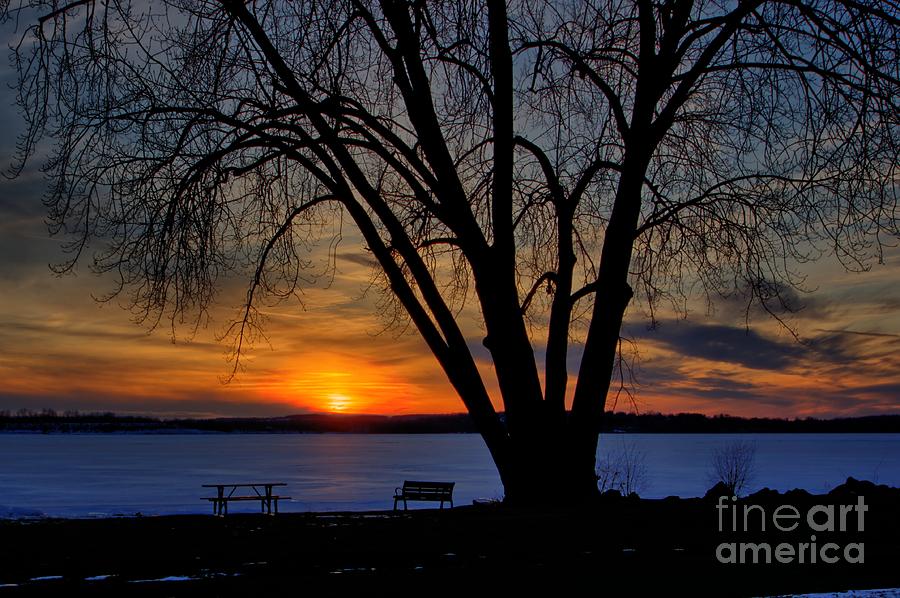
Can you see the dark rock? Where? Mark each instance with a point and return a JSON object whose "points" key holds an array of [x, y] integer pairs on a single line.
{"points": [[853, 488], [797, 495], [720, 489], [611, 495], [764, 495]]}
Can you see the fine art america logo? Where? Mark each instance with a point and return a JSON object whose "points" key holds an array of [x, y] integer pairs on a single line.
{"points": [[799, 523]]}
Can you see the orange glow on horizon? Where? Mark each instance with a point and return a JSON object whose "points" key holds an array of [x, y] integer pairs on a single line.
{"points": [[338, 382], [59, 350]]}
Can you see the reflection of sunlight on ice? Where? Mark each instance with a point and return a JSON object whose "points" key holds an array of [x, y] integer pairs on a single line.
{"points": [[338, 402]]}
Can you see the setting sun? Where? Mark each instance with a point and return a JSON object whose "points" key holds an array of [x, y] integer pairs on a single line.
{"points": [[362, 384], [339, 402]]}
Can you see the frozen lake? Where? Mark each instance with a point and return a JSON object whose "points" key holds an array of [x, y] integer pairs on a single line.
{"points": [[108, 474]]}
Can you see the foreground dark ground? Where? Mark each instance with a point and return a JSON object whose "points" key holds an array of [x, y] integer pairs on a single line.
{"points": [[620, 546]]}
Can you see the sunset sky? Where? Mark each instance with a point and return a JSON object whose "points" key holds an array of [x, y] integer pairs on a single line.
{"points": [[61, 349]]}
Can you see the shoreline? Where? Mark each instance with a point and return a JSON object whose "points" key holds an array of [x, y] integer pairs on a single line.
{"points": [[49, 421]]}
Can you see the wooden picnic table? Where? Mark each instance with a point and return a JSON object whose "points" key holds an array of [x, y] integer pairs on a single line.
{"points": [[262, 491]]}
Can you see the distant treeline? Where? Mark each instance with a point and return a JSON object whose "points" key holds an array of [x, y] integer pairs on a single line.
{"points": [[72, 421], [698, 423]]}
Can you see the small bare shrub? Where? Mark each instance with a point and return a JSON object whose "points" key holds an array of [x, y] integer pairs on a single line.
{"points": [[734, 465], [624, 470]]}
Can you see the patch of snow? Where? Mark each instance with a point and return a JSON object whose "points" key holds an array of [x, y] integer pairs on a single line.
{"points": [[169, 578], [46, 578], [8, 512], [879, 593]]}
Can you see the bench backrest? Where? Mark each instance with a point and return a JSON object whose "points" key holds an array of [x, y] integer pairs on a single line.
{"points": [[428, 489]]}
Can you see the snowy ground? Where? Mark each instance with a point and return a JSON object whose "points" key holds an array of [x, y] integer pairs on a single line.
{"points": [[880, 593]]}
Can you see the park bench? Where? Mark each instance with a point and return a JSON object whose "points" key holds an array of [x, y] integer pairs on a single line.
{"points": [[261, 491], [424, 491]]}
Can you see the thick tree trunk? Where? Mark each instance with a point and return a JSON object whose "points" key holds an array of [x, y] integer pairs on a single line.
{"points": [[544, 477], [610, 301]]}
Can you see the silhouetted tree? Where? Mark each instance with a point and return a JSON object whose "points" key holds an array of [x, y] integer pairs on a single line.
{"points": [[553, 160]]}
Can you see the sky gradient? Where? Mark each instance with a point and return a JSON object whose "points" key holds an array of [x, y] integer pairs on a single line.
{"points": [[61, 349]]}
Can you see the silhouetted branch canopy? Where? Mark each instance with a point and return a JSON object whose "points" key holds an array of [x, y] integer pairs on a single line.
{"points": [[480, 149]]}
